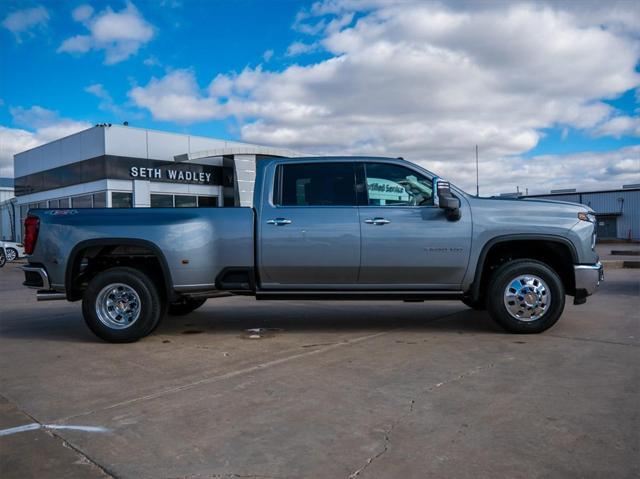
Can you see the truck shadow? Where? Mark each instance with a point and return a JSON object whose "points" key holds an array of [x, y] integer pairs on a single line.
{"points": [[325, 317], [301, 317]]}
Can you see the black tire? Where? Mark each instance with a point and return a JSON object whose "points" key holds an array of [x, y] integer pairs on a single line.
{"points": [[550, 282], [478, 305], [3, 258], [11, 254], [185, 306], [150, 309]]}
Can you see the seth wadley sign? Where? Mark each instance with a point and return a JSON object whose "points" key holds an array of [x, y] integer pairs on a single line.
{"points": [[177, 175]]}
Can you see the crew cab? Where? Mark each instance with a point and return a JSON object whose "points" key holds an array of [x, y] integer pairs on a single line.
{"points": [[320, 228]]}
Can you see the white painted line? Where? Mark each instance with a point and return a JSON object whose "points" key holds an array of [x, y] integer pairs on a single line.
{"points": [[35, 426], [14, 430]]}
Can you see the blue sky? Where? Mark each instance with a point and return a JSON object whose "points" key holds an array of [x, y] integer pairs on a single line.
{"points": [[555, 83]]}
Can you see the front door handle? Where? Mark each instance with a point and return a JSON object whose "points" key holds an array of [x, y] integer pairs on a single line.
{"points": [[279, 222], [377, 221]]}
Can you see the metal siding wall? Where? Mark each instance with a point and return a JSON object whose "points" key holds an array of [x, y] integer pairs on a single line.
{"points": [[628, 223]]}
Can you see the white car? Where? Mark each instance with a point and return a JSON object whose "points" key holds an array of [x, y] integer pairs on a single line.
{"points": [[12, 250]]}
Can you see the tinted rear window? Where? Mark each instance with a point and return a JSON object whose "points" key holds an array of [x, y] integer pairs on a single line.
{"points": [[318, 184]]}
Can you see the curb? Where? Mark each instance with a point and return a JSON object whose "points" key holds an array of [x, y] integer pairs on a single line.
{"points": [[612, 264]]}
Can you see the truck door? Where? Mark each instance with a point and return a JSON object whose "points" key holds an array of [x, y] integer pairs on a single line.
{"points": [[310, 234], [407, 241]]}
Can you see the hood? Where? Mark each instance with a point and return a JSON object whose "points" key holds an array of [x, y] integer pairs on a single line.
{"points": [[539, 202]]}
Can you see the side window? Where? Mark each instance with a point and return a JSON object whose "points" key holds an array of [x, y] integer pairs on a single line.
{"points": [[318, 184], [393, 185]]}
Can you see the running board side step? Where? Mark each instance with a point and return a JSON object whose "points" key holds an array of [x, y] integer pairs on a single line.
{"points": [[360, 295], [44, 295]]}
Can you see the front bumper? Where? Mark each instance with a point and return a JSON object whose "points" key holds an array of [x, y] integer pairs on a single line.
{"points": [[587, 279]]}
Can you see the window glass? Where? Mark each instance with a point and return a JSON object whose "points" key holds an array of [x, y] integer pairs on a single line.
{"points": [[318, 184], [121, 200], [54, 203], [162, 201], [43, 205], [64, 202], [81, 201], [207, 201], [183, 201], [393, 185], [100, 200]]}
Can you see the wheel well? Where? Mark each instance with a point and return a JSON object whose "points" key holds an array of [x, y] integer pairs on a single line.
{"points": [[86, 262], [555, 254]]}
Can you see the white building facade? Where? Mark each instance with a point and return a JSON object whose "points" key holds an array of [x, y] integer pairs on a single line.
{"points": [[120, 166]]}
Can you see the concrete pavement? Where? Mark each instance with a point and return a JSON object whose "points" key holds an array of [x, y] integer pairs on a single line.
{"points": [[327, 390]]}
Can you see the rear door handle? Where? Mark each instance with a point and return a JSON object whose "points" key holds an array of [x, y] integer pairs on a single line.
{"points": [[279, 221], [377, 221]]}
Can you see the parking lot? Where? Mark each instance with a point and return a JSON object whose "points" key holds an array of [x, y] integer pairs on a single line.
{"points": [[298, 389]]}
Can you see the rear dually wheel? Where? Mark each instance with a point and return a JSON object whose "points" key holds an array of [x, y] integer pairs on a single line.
{"points": [[122, 305]]}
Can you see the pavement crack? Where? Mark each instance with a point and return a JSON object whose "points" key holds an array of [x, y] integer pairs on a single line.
{"points": [[409, 411]]}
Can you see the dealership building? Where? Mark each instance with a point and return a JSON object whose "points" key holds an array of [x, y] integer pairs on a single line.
{"points": [[121, 166]]}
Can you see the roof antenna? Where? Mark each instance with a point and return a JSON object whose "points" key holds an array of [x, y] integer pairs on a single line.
{"points": [[477, 174]]}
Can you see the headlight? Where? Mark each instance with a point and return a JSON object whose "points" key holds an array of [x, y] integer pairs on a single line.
{"points": [[590, 217]]}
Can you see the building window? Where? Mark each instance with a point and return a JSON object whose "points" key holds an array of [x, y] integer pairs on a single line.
{"points": [[183, 201], [121, 200], [54, 204], [207, 201], [162, 201], [100, 200], [84, 201]]}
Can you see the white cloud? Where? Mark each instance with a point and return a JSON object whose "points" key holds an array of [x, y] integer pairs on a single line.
{"points": [[300, 48], [120, 34], [619, 126], [267, 55], [25, 21], [82, 13], [543, 173], [427, 82], [176, 97], [39, 126]]}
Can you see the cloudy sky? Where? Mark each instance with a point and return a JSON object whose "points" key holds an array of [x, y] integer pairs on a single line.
{"points": [[550, 92]]}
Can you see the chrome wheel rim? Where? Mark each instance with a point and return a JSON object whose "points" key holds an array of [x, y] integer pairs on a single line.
{"points": [[11, 254], [118, 306], [527, 297]]}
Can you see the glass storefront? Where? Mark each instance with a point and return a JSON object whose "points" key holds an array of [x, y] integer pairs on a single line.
{"points": [[183, 201], [121, 200]]}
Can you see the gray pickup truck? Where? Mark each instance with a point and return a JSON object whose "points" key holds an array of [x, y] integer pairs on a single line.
{"points": [[320, 228]]}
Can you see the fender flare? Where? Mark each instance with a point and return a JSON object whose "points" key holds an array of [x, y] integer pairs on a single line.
{"points": [[73, 256], [475, 286]]}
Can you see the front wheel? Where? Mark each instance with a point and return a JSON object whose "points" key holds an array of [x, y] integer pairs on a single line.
{"points": [[525, 296], [3, 258], [11, 254], [122, 305]]}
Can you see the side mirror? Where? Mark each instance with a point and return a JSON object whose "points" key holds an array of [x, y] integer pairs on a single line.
{"points": [[447, 201]]}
